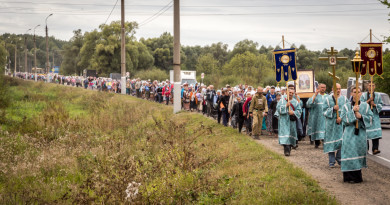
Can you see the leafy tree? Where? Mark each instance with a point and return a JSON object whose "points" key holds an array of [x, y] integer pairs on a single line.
{"points": [[207, 64], [107, 56], [4, 98], [192, 54], [306, 58], [244, 46], [161, 49], [141, 58], [72, 55], [382, 83], [219, 51], [249, 67], [3, 54], [88, 49]]}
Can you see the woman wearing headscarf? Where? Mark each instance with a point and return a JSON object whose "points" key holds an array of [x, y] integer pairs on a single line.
{"points": [[199, 97], [193, 99], [186, 97]]}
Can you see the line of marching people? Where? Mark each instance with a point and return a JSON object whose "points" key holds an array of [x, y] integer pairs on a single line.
{"points": [[344, 126]]}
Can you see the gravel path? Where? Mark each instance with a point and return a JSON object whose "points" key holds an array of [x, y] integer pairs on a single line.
{"points": [[375, 188]]}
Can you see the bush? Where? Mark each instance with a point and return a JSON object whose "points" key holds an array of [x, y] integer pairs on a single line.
{"points": [[4, 98], [152, 74]]}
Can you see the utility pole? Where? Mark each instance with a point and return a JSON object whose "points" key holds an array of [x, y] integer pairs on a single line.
{"points": [[6, 57], [25, 51], [176, 57], [16, 47], [123, 49], [35, 55], [47, 49], [53, 60]]}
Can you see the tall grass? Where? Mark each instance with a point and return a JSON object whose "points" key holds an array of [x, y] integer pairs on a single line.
{"points": [[82, 147]]}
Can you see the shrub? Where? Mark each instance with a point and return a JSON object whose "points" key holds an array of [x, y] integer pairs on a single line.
{"points": [[152, 74]]}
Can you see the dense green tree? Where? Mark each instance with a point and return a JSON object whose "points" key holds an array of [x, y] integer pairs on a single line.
{"points": [[141, 58], [161, 49], [107, 56], [18, 41], [207, 64], [88, 49], [192, 54], [306, 58], [101, 50], [249, 67], [219, 51], [244, 46], [72, 55], [3, 56], [383, 83]]}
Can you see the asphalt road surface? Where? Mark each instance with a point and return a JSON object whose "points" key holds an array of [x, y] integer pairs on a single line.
{"points": [[384, 146]]}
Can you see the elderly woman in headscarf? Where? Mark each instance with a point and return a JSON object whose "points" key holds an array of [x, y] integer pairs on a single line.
{"points": [[186, 97], [199, 96], [193, 99]]}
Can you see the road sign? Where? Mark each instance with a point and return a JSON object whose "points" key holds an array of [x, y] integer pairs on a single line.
{"points": [[202, 75]]}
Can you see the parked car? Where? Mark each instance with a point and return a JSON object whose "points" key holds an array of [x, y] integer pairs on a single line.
{"points": [[384, 115]]}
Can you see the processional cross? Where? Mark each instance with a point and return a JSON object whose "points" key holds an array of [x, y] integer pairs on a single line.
{"points": [[332, 59]]}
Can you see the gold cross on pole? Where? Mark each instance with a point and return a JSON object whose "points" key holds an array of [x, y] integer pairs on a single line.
{"points": [[332, 59]]}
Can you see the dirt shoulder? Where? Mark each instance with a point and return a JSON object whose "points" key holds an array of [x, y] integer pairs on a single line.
{"points": [[375, 188]]}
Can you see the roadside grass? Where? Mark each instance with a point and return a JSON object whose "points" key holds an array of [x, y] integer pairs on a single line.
{"points": [[69, 145]]}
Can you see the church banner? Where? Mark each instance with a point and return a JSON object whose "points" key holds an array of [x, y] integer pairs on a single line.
{"points": [[371, 54], [285, 64]]}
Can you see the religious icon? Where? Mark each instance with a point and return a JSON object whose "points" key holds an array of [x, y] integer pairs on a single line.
{"points": [[332, 60], [285, 59], [305, 81], [371, 53]]}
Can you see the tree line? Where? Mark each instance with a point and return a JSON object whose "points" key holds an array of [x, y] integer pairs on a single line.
{"points": [[10, 42], [152, 58]]}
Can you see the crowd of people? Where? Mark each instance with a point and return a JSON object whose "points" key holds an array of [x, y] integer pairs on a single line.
{"points": [[343, 125]]}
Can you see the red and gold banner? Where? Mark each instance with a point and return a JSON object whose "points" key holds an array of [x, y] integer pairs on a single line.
{"points": [[372, 58]]}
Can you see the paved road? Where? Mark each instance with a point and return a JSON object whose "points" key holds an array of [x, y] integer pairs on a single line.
{"points": [[384, 145]]}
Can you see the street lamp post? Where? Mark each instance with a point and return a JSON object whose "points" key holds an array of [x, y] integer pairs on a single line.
{"points": [[16, 48], [7, 59], [35, 55], [25, 51], [47, 49]]}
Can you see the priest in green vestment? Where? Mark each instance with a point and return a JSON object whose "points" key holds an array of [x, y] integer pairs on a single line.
{"points": [[374, 133], [354, 144], [316, 116], [333, 126], [287, 117]]}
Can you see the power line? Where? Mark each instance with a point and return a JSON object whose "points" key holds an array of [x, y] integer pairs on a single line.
{"points": [[157, 14], [334, 13], [193, 6], [111, 12]]}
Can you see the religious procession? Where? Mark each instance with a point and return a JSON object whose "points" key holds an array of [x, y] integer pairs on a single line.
{"points": [[301, 109]]}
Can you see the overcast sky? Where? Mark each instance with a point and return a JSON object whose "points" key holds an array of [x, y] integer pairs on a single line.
{"points": [[316, 24]]}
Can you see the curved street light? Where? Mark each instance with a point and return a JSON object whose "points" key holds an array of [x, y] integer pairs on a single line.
{"points": [[47, 49], [35, 54]]}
